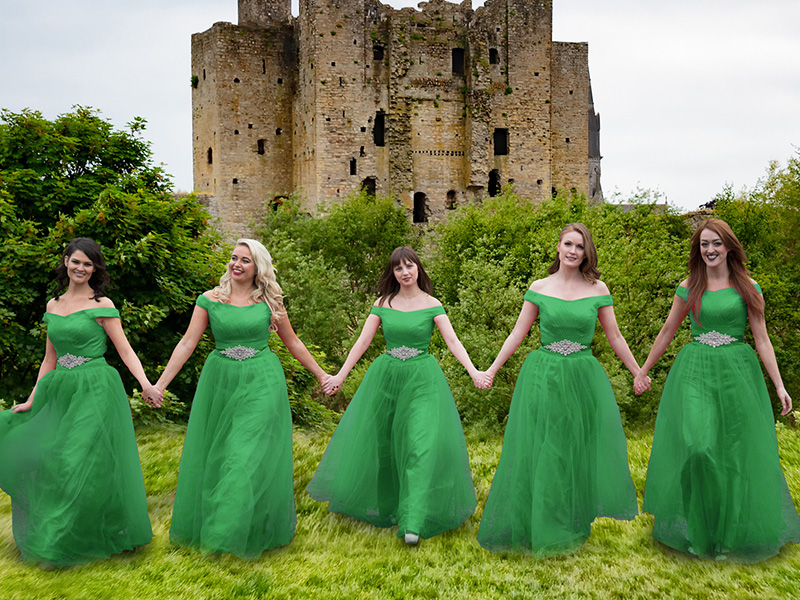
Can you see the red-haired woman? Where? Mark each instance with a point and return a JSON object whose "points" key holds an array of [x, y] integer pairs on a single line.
{"points": [[564, 459], [398, 456], [714, 482]]}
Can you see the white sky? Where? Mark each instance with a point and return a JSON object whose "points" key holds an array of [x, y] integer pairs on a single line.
{"points": [[693, 94]]}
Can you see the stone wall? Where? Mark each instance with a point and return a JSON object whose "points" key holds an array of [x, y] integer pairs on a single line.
{"points": [[437, 106]]}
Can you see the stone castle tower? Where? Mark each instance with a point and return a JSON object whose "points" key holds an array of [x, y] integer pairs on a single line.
{"points": [[436, 106]]}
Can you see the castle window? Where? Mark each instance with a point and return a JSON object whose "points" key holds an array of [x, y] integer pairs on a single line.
{"points": [[567, 139], [538, 182], [458, 61], [235, 180], [494, 182], [280, 80], [377, 52], [263, 66], [333, 64], [570, 92], [260, 146], [353, 166], [501, 142], [361, 151], [235, 132], [363, 130], [494, 57], [369, 186], [235, 80], [340, 82], [204, 74], [420, 208], [536, 73], [250, 126], [451, 202], [378, 133], [210, 156], [278, 131]]}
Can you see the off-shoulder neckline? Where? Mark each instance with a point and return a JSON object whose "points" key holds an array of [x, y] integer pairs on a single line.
{"points": [[572, 300], [408, 311], [80, 311]]}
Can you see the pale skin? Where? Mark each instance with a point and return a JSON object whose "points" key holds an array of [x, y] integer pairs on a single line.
{"points": [[714, 255], [243, 272], [409, 298], [78, 297], [567, 283]]}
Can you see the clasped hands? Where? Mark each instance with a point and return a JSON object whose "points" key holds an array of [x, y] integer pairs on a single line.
{"points": [[153, 396], [641, 383]]}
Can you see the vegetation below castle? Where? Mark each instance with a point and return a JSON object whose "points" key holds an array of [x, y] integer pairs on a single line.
{"points": [[78, 176]]}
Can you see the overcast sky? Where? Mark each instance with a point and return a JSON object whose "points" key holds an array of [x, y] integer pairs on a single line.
{"points": [[693, 94]]}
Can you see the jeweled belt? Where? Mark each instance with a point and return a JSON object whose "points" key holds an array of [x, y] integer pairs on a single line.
{"points": [[714, 339], [565, 347], [70, 361], [404, 352], [239, 353]]}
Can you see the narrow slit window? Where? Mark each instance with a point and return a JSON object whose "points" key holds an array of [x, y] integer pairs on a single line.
{"points": [[378, 132], [420, 208], [353, 166], [458, 61], [210, 156], [261, 145], [494, 56], [377, 52], [501, 142]]}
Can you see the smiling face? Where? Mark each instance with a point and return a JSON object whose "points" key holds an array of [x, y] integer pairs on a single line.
{"points": [[79, 267], [406, 273], [571, 250], [241, 266], [712, 248]]}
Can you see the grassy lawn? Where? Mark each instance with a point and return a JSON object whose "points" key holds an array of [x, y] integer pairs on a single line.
{"points": [[337, 557]]}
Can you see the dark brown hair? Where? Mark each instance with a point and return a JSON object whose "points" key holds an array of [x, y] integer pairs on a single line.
{"points": [[388, 286], [588, 266], [739, 275], [99, 279]]}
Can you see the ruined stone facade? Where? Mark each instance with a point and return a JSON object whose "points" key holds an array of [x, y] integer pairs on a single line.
{"points": [[437, 106]]}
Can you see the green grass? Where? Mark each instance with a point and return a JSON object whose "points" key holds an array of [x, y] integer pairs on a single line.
{"points": [[337, 557]]}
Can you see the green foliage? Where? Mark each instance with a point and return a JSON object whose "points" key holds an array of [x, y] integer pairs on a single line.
{"points": [[172, 410]]}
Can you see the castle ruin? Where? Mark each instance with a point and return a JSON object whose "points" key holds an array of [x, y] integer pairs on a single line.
{"points": [[436, 106]]}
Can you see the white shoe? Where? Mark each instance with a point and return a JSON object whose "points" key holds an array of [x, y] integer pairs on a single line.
{"points": [[412, 539]]}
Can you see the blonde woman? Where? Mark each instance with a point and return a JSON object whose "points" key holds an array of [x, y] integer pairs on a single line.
{"points": [[235, 481]]}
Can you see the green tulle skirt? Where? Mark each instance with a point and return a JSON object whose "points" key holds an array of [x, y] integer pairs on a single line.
{"points": [[714, 482], [235, 484], [71, 467], [398, 456], [564, 460]]}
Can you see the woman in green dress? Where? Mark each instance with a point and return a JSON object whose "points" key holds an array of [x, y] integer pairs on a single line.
{"points": [[714, 482], [398, 456], [235, 490], [564, 460], [68, 456]]}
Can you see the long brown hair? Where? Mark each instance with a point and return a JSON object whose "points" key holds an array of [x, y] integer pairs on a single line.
{"points": [[388, 286], [739, 275], [588, 266], [99, 279]]}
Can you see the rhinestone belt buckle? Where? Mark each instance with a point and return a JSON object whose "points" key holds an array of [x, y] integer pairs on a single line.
{"points": [[714, 339], [239, 353], [403, 352], [565, 347], [70, 361]]}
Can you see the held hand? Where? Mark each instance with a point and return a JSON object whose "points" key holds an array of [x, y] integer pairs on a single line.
{"points": [[482, 380], [26, 406], [641, 383], [153, 396], [333, 384], [786, 401]]}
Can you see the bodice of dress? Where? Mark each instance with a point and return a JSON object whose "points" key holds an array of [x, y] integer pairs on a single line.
{"points": [[571, 320], [411, 329], [79, 334], [246, 326], [722, 311]]}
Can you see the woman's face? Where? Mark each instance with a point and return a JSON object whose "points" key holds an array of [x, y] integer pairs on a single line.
{"points": [[571, 251], [406, 273], [712, 248], [241, 266], [79, 267]]}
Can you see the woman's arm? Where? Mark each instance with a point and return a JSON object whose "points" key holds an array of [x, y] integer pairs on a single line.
{"points": [[767, 353], [48, 364], [298, 349], [113, 327], [676, 316], [458, 350], [523, 325], [608, 321], [183, 350], [333, 384]]}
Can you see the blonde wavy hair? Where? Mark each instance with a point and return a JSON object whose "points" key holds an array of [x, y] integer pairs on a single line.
{"points": [[267, 288]]}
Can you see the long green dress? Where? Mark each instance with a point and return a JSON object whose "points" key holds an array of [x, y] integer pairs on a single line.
{"points": [[564, 460], [714, 482], [398, 456], [235, 490], [71, 464]]}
